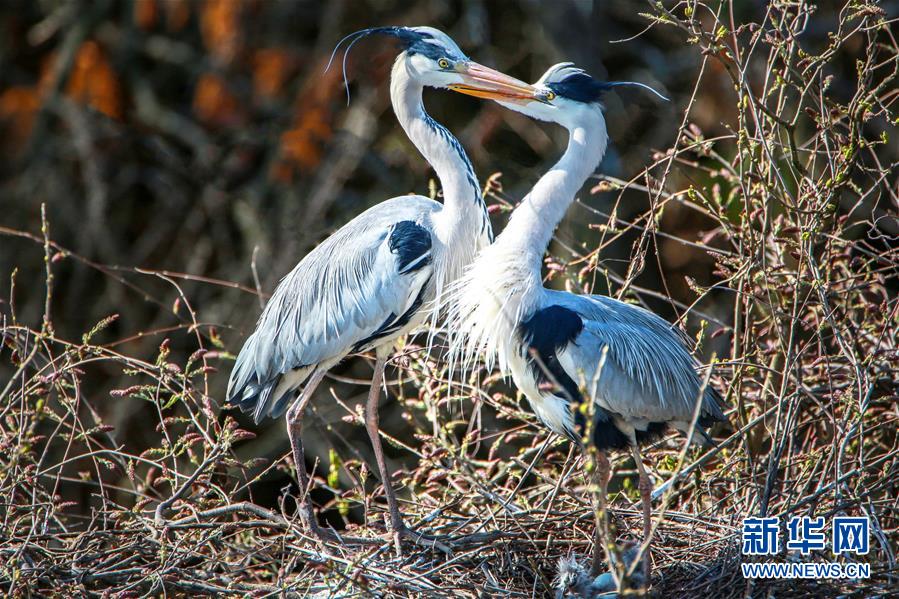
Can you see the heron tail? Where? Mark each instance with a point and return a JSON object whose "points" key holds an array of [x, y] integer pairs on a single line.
{"points": [[261, 396]]}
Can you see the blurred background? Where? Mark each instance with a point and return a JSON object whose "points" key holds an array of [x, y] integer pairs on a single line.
{"points": [[189, 153]]}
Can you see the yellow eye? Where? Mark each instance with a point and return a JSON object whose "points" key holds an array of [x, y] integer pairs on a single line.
{"points": [[550, 96], [443, 63]]}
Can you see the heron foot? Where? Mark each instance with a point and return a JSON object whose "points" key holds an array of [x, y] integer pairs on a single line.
{"points": [[311, 526], [324, 535]]}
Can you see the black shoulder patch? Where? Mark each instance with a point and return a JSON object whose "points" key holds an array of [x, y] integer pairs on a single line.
{"points": [[412, 245], [546, 332], [550, 329]]}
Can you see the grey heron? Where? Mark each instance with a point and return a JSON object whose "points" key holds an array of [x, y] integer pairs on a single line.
{"points": [[378, 276], [562, 349]]}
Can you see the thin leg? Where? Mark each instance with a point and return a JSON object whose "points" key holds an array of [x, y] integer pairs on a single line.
{"points": [[603, 474], [398, 528], [645, 487], [371, 425], [294, 431]]}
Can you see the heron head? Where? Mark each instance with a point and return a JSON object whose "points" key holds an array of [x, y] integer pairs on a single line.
{"points": [[433, 59], [566, 95]]}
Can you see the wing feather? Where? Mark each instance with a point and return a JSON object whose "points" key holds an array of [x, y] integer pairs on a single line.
{"points": [[342, 293], [648, 373]]}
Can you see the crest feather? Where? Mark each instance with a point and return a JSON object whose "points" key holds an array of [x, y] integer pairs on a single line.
{"points": [[576, 84], [559, 72]]}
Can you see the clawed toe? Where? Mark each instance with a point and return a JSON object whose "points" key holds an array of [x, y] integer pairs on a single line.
{"points": [[312, 528]]}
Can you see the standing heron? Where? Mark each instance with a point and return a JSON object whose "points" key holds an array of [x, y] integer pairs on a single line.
{"points": [[563, 349], [378, 276]]}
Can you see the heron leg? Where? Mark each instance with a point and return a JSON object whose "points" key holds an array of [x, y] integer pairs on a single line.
{"points": [[645, 487], [602, 476], [397, 527], [371, 425], [294, 431]]}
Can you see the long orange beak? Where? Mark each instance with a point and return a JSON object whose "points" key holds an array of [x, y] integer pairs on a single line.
{"points": [[484, 82]]}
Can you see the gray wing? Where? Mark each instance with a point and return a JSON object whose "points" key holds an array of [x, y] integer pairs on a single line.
{"points": [[649, 374], [351, 292]]}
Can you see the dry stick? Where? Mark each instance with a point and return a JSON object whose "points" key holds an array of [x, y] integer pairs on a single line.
{"points": [[159, 519], [112, 270], [636, 266], [106, 354], [256, 280], [234, 508], [46, 330], [566, 472], [853, 473], [46, 326], [207, 404], [399, 575]]}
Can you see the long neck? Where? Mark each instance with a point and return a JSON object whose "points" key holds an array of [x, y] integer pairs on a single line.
{"points": [[464, 213], [533, 222]]}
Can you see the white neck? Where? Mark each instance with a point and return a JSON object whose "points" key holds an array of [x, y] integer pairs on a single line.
{"points": [[533, 222], [504, 284], [463, 219]]}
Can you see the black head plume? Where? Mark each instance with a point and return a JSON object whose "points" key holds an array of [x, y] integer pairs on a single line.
{"points": [[573, 83], [410, 38]]}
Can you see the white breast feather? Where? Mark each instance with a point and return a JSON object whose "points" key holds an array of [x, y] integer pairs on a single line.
{"points": [[486, 306]]}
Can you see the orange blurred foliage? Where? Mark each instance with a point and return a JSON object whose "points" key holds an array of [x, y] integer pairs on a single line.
{"points": [[213, 103], [220, 26], [93, 82], [177, 13], [272, 68], [146, 13], [18, 106], [301, 145]]}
